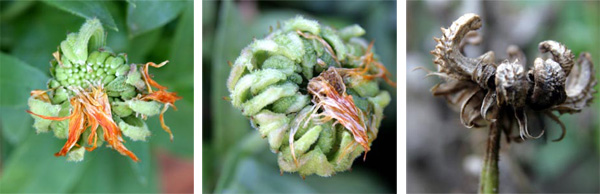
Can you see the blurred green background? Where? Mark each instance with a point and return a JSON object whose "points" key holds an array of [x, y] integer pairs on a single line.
{"points": [[439, 147], [235, 159], [147, 31]]}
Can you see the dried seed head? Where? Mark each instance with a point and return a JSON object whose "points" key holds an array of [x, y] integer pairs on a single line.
{"points": [[488, 91], [511, 84]]}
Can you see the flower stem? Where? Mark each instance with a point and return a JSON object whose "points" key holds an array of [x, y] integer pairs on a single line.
{"points": [[488, 183]]}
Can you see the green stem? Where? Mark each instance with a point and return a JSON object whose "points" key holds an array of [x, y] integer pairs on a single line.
{"points": [[488, 183]]}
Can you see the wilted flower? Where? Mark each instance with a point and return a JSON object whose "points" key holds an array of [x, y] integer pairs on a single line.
{"points": [[93, 95], [503, 93], [273, 80]]}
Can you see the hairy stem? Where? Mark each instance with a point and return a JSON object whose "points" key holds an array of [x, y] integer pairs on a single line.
{"points": [[488, 183]]}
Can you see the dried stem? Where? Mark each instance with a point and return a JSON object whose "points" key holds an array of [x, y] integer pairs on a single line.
{"points": [[488, 183]]}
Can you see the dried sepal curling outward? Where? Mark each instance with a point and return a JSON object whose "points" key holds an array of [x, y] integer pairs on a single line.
{"points": [[487, 91], [311, 91], [94, 96]]}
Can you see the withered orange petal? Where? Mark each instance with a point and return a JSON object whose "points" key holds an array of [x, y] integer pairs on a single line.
{"points": [[149, 80], [162, 122], [112, 134], [50, 117], [75, 129]]}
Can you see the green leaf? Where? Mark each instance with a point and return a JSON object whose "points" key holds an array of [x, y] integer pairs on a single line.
{"points": [[17, 79], [143, 16], [16, 124], [110, 172], [181, 122], [87, 9], [32, 167], [228, 43], [182, 48], [14, 9], [44, 32], [142, 168], [140, 46]]}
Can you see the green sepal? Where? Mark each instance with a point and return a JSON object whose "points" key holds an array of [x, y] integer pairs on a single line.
{"points": [[241, 92], [134, 128], [61, 128], [42, 108], [290, 104], [365, 88], [242, 65], [336, 42], [266, 77], [134, 78], [309, 60], [302, 24], [148, 108], [282, 64], [292, 45], [60, 95], [121, 109], [75, 48], [307, 140], [342, 159], [268, 96], [351, 31], [76, 154], [273, 126], [118, 85]]}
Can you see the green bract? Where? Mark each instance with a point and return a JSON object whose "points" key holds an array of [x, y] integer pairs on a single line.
{"points": [[268, 83]]}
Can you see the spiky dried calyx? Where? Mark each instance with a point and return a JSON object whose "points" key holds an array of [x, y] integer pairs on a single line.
{"points": [[274, 79], [92, 87], [504, 92]]}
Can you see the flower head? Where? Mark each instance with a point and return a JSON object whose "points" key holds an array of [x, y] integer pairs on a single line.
{"points": [[93, 94]]}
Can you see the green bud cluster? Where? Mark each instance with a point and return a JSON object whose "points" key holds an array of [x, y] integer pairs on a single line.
{"points": [[268, 84], [83, 61]]}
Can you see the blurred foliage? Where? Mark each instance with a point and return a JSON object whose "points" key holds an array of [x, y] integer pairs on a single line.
{"points": [[235, 159], [571, 165], [145, 30]]}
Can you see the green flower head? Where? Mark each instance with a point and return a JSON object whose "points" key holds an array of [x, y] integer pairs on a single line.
{"points": [[96, 96], [311, 91]]}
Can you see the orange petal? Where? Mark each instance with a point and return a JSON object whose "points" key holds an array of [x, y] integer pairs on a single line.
{"points": [[148, 79], [75, 128]]}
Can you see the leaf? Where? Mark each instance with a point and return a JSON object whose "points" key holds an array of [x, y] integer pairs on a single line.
{"points": [[32, 167], [143, 16], [14, 9], [110, 172], [182, 48], [181, 122], [46, 28], [140, 46], [17, 79], [142, 168], [16, 124], [229, 125], [87, 9]]}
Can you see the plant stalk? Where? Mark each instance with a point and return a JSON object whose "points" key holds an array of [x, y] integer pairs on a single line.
{"points": [[488, 182]]}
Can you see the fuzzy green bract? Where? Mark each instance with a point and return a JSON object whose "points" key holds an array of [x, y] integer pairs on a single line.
{"points": [[268, 83]]}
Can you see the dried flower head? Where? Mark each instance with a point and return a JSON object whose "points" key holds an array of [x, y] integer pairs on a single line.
{"points": [[314, 87], [488, 91], [92, 87]]}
